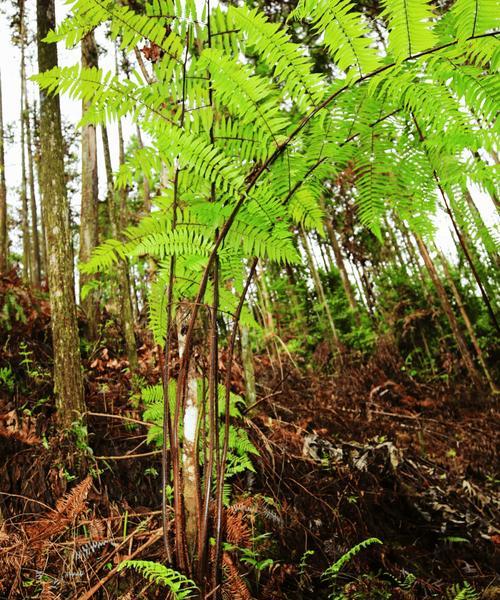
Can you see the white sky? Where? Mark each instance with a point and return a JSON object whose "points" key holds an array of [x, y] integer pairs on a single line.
{"points": [[71, 110]]}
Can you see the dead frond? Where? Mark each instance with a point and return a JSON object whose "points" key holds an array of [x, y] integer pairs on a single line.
{"points": [[67, 509], [233, 586]]}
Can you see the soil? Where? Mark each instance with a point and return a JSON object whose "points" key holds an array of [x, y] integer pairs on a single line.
{"points": [[346, 453]]}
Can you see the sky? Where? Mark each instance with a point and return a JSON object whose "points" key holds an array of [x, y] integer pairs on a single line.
{"points": [[71, 111]]}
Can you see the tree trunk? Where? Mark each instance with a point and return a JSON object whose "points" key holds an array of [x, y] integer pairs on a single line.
{"points": [[68, 385], [146, 188], [339, 260], [466, 319], [448, 311], [248, 370], [90, 196], [190, 488], [320, 291], [4, 238], [37, 155], [116, 220], [127, 313], [24, 191]]}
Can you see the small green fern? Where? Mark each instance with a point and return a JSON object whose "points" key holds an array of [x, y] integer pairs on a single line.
{"points": [[333, 570], [180, 587], [462, 592]]}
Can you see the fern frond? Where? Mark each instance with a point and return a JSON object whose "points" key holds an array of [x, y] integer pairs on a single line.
{"points": [[333, 570], [474, 17], [345, 33], [289, 63], [410, 27], [245, 95], [179, 586]]}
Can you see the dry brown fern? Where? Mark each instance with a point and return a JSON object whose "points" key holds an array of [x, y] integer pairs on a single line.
{"points": [[233, 585], [237, 530], [47, 593], [56, 521], [23, 430]]}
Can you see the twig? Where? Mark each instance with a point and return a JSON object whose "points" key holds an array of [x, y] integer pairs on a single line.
{"points": [[127, 456], [97, 414]]}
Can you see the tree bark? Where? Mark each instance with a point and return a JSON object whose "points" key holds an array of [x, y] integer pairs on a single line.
{"points": [[4, 236], [90, 196], [346, 283], [127, 313], [448, 311], [320, 291], [68, 385], [24, 184], [37, 155], [467, 321]]}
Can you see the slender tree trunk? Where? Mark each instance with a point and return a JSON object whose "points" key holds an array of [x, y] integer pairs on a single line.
{"points": [[68, 384], [110, 194], [26, 133], [127, 313], [116, 222], [493, 255], [190, 488], [248, 370], [320, 290], [146, 188], [24, 185], [448, 311], [36, 266], [339, 260], [90, 195], [4, 237], [466, 319], [37, 155]]}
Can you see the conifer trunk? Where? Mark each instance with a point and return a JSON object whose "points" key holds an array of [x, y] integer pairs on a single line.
{"points": [[90, 195], [4, 237], [68, 385]]}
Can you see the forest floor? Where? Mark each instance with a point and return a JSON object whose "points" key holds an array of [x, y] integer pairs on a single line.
{"points": [[364, 452]]}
